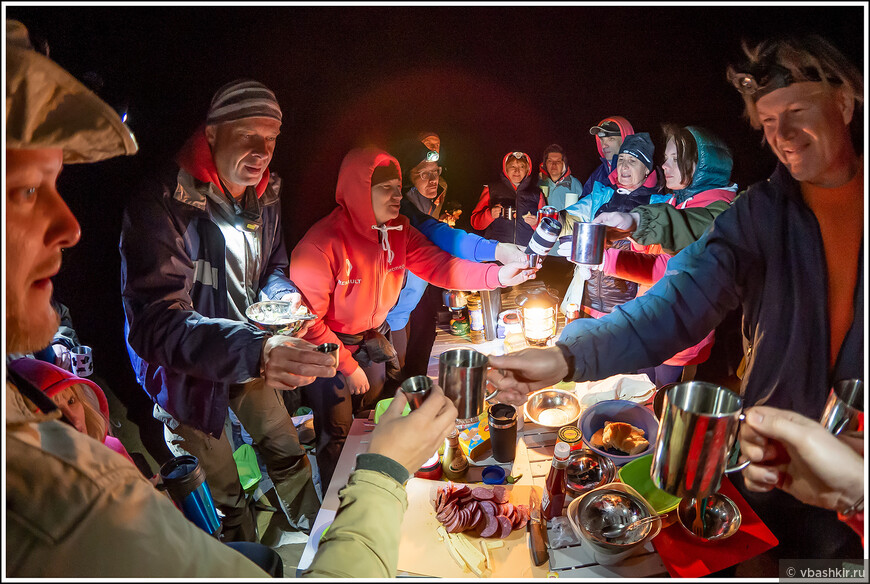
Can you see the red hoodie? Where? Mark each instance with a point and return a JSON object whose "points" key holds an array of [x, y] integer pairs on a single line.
{"points": [[342, 267]]}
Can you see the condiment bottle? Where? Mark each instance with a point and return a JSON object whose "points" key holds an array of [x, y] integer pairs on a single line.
{"points": [[475, 318], [571, 436], [554, 496], [454, 465]]}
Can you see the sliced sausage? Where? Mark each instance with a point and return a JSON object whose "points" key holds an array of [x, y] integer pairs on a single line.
{"points": [[492, 527], [505, 526], [482, 494]]}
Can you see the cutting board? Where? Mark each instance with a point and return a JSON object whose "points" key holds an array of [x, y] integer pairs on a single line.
{"points": [[421, 552]]}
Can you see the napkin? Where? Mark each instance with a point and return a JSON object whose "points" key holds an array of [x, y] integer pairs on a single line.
{"points": [[637, 388], [686, 557]]}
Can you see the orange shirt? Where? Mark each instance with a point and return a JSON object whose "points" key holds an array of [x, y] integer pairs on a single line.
{"points": [[840, 213]]}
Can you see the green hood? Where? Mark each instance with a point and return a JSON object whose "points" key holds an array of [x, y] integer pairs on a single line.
{"points": [[714, 165]]}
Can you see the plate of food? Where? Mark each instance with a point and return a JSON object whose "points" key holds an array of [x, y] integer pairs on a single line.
{"points": [[279, 316]]}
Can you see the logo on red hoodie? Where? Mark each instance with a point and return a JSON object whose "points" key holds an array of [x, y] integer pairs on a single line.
{"points": [[348, 268]]}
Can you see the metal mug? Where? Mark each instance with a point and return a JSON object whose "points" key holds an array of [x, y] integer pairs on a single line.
{"points": [[844, 407], [547, 211], [587, 247], [462, 376], [416, 390], [697, 431], [329, 349], [509, 213]]}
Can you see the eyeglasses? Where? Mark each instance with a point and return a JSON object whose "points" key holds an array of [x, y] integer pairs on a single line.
{"points": [[759, 79], [430, 174]]}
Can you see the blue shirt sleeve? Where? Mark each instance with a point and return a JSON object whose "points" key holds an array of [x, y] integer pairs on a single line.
{"points": [[457, 242]]}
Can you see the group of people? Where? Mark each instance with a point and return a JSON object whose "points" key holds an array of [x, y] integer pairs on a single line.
{"points": [[204, 240]]}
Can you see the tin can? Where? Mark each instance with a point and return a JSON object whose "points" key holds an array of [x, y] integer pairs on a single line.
{"points": [[548, 211], [571, 436], [572, 313]]}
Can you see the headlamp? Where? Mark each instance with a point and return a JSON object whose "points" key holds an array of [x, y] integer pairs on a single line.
{"points": [[518, 155], [432, 156], [760, 79]]}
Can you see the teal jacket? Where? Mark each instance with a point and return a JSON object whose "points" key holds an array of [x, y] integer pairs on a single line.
{"points": [[672, 225]]}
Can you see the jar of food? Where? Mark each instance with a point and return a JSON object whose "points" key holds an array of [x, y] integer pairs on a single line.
{"points": [[475, 318]]}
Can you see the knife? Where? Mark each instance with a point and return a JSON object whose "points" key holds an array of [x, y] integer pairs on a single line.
{"points": [[538, 541]]}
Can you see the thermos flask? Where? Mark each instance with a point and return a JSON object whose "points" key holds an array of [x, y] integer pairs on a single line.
{"points": [[184, 480]]}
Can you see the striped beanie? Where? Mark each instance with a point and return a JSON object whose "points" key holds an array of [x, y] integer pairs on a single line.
{"points": [[243, 98]]}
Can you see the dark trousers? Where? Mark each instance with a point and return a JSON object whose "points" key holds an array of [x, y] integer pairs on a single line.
{"points": [[421, 331], [334, 408]]}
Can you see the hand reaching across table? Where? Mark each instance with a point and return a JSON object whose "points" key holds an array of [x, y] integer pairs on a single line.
{"points": [[411, 440], [518, 374]]}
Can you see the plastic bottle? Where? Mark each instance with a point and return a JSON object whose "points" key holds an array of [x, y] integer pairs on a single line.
{"points": [[554, 497], [454, 465]]}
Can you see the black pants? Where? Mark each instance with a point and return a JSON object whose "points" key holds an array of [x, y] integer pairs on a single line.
{"points": [[334, 408], [421, 331]]}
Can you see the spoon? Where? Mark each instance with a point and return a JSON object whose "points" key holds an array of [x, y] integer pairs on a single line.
{"points": [[614, 531]]}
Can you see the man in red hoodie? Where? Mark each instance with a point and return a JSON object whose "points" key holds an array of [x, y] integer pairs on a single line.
{"points": [[197, 250], [350, 267]]}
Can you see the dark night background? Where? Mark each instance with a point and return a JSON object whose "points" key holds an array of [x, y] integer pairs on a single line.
{"points": [[488, 79]]}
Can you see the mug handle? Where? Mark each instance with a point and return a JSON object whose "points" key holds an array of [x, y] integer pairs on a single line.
{"points": [[745, 463], [489, 396]]}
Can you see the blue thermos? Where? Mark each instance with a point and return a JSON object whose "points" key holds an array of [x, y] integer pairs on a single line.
{"points": [[184, 480]]}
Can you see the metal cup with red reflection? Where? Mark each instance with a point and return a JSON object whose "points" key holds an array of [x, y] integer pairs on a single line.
{"points": [[548, 211]]}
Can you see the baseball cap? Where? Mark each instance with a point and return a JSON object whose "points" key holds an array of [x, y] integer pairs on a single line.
{"points": [[608, 128]]}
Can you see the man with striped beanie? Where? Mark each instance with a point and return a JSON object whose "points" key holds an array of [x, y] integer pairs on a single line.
{"points": [[196, 252]]}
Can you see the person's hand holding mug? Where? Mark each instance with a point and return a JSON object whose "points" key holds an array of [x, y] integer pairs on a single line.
{"points": [[516, 273], [411, 440], [518, 374], [796, 454], [289, 363], [509, 253], [619, 225], [62, 357], [495, 210]]}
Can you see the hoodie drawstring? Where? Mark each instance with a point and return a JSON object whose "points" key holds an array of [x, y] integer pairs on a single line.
{"points": [[385, 239]]}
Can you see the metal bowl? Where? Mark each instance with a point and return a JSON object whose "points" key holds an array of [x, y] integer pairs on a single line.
{"points": [[278, 316], [613, 504], [588, 470], [721, 518], [608, 507], [553, 408]]}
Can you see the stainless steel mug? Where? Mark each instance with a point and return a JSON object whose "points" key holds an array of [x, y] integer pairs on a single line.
{"points": [[416, 390], [587, 246], [509, 213], [697, 430], [329, 349], [845, 406], [462, 376]]}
